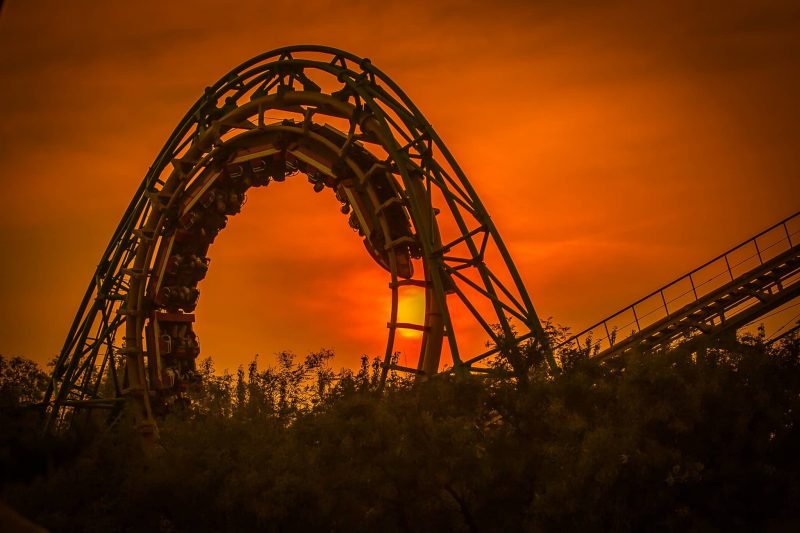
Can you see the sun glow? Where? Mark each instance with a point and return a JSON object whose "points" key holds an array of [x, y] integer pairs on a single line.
{"points": [[411, 310]]}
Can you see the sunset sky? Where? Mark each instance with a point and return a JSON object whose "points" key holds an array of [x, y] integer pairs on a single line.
{"points": [[616, 147]]}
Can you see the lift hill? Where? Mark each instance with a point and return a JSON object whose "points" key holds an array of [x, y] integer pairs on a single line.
{"points": [[719, 297]]}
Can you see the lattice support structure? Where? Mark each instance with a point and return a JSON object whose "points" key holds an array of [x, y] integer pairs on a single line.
{"points": [[342, 123]]}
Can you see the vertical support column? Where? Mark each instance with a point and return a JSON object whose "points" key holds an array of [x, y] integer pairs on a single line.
{"points": [[427, 228], [134, 325]]}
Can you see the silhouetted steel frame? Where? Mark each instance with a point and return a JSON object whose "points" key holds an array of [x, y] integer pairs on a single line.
{"points": [[712, 315], [91, 348]]}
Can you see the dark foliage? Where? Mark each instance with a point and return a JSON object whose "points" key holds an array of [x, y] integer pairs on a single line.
{"points": [[22, 451], [701, 440]]}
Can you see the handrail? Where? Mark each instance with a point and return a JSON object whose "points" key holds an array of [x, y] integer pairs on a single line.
{"points": [[690, 277]]}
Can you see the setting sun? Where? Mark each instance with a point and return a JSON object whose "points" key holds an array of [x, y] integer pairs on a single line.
{"points": [[411, 310]]}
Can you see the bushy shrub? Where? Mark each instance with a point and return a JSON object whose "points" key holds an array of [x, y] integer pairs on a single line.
{"points": [[685, 440]]}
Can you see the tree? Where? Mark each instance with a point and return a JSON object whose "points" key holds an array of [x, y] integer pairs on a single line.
{"points": [[22, 382]]}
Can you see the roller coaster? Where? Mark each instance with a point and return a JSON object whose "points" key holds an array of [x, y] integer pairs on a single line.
{"points": [[717, 298], [336, 119]]}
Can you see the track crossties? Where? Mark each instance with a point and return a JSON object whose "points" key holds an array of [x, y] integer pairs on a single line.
{"points": [[335, 119]]}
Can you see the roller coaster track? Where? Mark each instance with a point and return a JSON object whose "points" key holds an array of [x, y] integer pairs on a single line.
{"points": [[335, 118], [721, 296], [349, 129]]}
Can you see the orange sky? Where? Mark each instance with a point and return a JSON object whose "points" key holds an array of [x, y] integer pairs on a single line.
{"points": [[615, 146]]}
